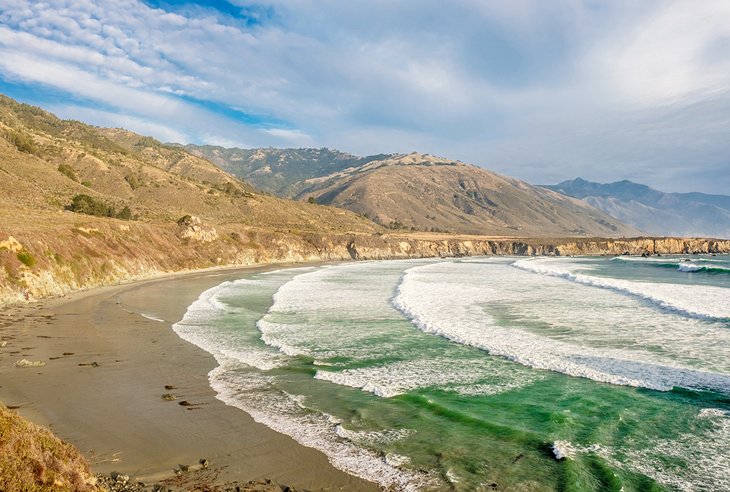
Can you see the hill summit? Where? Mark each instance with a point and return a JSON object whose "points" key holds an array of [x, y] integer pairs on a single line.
{"points": [[417, 191]]}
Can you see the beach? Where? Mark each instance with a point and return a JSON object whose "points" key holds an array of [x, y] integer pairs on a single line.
{"points": [[110, 355]]}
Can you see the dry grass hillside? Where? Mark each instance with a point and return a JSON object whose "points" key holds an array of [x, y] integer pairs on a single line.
{"points": [[82, 206], [32, 459], [45, 162], [141, 208], [428, 193]]}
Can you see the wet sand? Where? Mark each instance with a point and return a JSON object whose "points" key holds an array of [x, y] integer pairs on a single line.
{"points": [[105, 394]]}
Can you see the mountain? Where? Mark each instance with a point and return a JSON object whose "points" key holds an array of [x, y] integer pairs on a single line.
{"points": [[82, 206], [46, 161], [282, 172], [653, 211], [416, 191]]}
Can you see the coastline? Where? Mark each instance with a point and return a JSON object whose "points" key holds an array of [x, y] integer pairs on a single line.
{"points": [[105, 395]]}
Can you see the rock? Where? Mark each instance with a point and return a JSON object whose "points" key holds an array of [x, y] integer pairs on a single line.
{"points": [[192, 228], [563, 450], [11, 244], [120, 477], [2, 344], [185, 468], [169, 397], [29, 363], [204, 463]]}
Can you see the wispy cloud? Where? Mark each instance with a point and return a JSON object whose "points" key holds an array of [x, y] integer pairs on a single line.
{"points": [[540, 90]]}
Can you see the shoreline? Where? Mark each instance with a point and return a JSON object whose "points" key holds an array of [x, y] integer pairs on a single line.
{"points": [[109, 353]]}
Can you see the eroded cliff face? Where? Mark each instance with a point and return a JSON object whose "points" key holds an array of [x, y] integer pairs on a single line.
{"points": [[57, 259]]}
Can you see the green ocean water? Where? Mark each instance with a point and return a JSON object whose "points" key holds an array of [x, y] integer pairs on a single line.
{"points": [[477, 374]]}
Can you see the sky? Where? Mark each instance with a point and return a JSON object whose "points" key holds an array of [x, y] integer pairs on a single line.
{"points": [[542, 91]]}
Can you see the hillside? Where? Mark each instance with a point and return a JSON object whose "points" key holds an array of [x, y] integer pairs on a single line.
{"points": [[415, 191], [82, 207], [653, 211], [33, 459], [434, 194], [46, 161], [282, 172]]}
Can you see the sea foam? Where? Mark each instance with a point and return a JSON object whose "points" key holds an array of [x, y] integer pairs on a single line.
{"points": [[693, 300], [454, 302]]}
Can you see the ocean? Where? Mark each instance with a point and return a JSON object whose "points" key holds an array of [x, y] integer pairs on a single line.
{"points": [[573, 374]]}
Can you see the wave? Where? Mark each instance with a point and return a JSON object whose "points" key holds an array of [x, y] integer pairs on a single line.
{"points": [[436, 307], [198, 327], [255, 392], [283, 413], [465, 377], [683, 264], [707, 302], [693, 267]]}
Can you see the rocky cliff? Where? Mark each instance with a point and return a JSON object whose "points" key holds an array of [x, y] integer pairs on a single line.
{"points": [[61, 257]]}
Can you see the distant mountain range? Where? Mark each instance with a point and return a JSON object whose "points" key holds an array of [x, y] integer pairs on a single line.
{"points": [[415, 191], [653, 211]]}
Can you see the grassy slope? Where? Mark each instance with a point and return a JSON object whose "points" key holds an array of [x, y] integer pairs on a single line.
{"points": [[33, 459], [429, 193]]}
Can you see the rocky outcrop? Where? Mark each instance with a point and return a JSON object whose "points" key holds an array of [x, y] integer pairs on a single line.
{"points": [[61, 259]]}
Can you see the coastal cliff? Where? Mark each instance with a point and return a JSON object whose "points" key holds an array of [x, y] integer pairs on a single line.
{"points": [[63, 257]]}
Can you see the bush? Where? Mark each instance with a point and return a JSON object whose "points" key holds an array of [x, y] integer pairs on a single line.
{"points": [[132, 181], [311, 199], [125, 214], [68, 171], [85, 204], [23, 142], [26, 258]]}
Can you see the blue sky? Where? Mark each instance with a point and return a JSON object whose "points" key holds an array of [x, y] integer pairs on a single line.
{"points": [[543, 91]]}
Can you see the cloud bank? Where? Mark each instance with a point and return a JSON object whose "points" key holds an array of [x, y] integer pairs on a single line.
{"points": [[543, 91]]}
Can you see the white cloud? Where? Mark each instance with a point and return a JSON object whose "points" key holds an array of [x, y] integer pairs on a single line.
{"points": [[540, 90]]}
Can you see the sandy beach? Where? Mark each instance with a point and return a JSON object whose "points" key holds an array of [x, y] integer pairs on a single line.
{"points": [[109, 355]]}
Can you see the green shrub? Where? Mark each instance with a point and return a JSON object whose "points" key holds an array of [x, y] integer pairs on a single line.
{"points": [[85, 204], [26, 258], [132, 181], [23, 142], [125, 214], [311, 199], [68, 171]]}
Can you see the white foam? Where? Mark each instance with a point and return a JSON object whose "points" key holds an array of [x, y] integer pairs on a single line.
{"points": [[693, 267], [449, 300], [152, 317], [463, 376], [316, 309], [567, 450], [704, 454], [197, 327], [695, 300], [563, 450], [287, 413], [315, 430]]}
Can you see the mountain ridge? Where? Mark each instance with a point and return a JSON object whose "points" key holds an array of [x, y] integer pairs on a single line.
{"points": [[421, 192], [654, 211], [83, 207]]}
